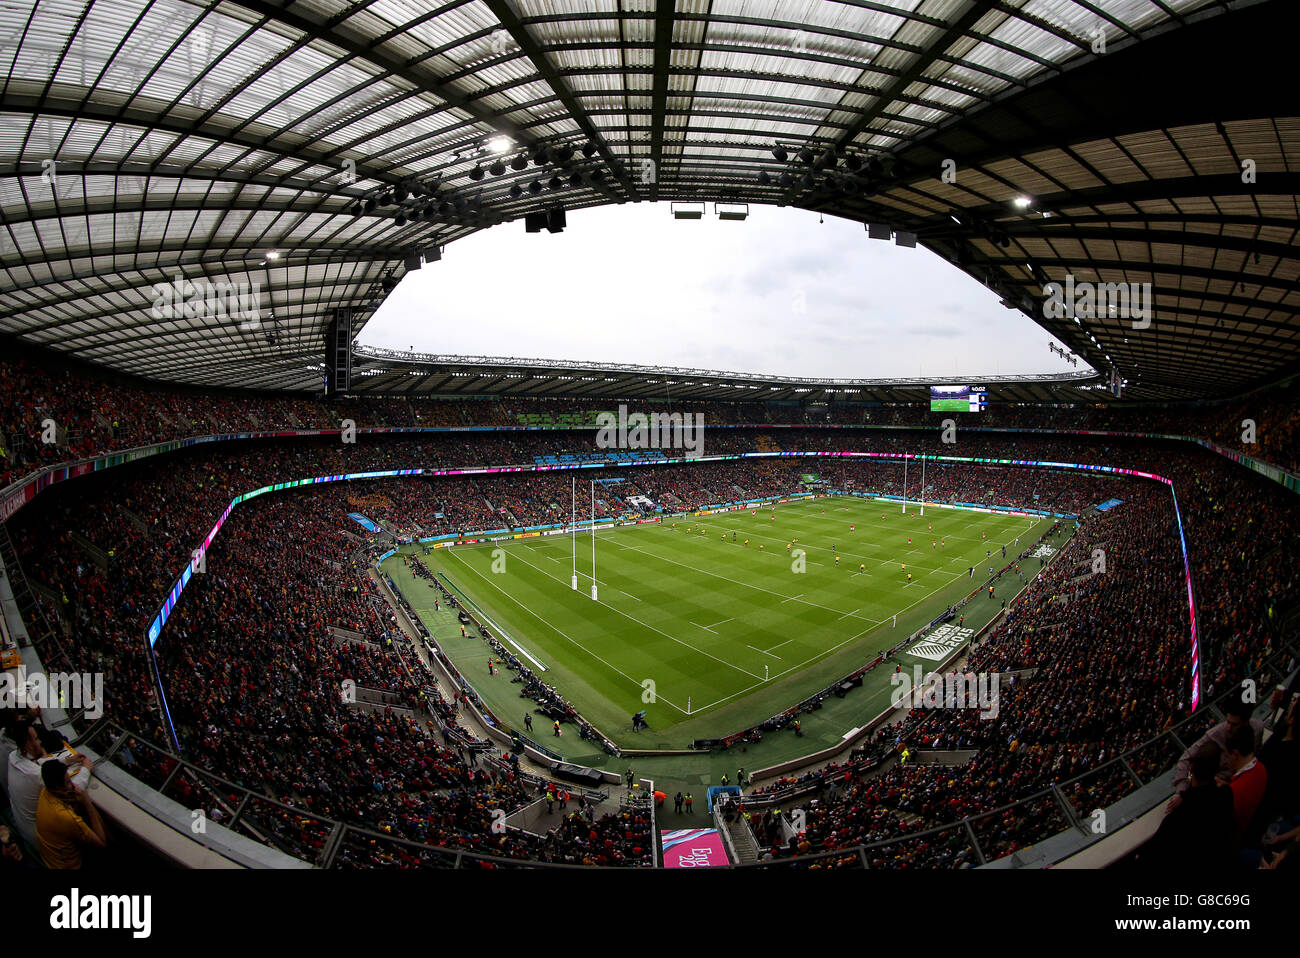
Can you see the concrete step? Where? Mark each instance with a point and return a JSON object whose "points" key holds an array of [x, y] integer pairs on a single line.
{"points": [[377, 708], [96, 554], [743, 842], [135, 519]]}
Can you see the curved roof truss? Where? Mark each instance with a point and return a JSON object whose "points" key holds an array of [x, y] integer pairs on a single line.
{"points": [[301, 152]]}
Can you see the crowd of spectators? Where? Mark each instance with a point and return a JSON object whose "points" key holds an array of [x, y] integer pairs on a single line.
{"points": [[1095, 665], [92, 414], [256, 689], [254, 676]]}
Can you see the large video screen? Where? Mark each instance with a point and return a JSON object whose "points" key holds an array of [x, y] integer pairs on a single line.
{"points": [[958, 398]]}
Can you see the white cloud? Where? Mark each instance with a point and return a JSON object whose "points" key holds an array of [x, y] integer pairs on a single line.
{"points": [[779, 293]]}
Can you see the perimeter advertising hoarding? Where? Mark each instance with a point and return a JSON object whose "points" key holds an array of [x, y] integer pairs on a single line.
{"points": [[694, 848]]}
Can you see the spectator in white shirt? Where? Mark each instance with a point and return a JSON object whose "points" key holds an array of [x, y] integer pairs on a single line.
{"points": [[24, 776]]}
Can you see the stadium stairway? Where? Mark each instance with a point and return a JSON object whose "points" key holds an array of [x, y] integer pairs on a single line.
{"points": [[92, 551], [377, 700], [134, 518], [949, 757], [341, 636], [168, 425], [379, 709], [742, 840], [43, 619]]}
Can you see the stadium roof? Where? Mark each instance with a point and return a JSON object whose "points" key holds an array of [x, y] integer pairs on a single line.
{"points": [[398, 372], [308, 150]]}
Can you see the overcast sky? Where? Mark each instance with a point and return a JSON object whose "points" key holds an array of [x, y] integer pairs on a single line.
{"points": [[779, 293]]}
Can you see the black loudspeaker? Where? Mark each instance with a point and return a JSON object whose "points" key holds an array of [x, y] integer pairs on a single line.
{"points": [[555, 221], [534, 222], [338, 353], [413, 262]]}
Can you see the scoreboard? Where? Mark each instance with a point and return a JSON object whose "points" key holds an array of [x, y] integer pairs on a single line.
{"points": [[958, 398]]}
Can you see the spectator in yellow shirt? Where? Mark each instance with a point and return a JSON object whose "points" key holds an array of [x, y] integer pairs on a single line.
{"points": [[66, 819]]}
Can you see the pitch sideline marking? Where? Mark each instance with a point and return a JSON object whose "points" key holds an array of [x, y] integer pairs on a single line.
{"points": [[645, 625], [561, 632]]}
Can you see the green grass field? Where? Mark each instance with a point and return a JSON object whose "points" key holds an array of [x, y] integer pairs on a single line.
{"points": [[950, 405], [705, 633]]}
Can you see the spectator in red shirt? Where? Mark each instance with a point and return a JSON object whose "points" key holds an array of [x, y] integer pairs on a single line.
{"points": [[1237, 713]]}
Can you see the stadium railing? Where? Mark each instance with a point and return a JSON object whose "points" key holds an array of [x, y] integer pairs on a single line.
{"points": [[313, 839]]}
